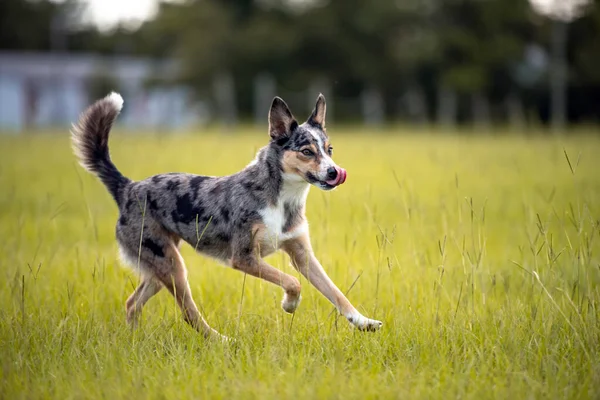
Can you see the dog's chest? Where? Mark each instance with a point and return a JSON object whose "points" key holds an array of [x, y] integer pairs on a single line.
{"points": [[282, 222], [285, 220]]}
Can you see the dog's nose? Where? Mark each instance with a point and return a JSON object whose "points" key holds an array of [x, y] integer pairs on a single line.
{"points": [[332, 173]]}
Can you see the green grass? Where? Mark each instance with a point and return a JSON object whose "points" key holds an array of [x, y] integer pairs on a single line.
{"points": [[480, 254]]}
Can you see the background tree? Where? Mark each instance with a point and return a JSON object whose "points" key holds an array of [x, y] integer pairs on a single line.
{"points": [[478, 50]]}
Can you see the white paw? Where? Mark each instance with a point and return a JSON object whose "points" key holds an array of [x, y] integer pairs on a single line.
{"points": [[215, 336], [133, 318], [363, 323], [289, 303], [227, 340]]}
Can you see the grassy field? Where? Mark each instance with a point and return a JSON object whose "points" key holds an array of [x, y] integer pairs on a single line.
{"points": [[480, 254]]}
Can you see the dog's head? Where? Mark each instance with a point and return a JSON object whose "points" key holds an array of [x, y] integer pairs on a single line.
{"points": [[305, 149]]}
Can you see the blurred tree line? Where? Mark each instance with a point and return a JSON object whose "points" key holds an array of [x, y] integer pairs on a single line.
{"points": [[459, 60]]}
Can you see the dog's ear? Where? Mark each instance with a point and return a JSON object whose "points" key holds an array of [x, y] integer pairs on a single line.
{"points": [[281, 120], [318, 115]]}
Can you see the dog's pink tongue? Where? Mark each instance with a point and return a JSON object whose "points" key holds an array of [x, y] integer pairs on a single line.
{"points": [[339, 179]]}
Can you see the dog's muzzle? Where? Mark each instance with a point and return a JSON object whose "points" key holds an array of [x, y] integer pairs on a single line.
{"points": [[336, 176]]}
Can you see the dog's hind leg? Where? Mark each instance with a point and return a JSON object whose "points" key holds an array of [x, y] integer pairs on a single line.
{"points": [[173, 274], [146, 289], [154, 252]]}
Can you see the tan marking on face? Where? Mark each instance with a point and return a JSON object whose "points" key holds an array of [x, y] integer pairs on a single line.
{"points": [[296, 163]]}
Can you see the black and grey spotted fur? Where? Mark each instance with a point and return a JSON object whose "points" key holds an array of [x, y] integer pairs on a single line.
{"points": [[217, 216]]}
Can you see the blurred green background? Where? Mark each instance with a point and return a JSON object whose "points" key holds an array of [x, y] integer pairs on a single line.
{"points": [[181, 64]]}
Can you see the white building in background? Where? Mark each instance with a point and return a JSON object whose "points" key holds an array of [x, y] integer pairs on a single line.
{"points": [[45, 90]]}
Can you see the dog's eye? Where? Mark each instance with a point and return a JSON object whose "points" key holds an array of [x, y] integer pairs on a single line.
{"points": [[307, 152], [330, 150]]}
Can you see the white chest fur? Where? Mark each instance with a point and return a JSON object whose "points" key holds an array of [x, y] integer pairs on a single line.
{"points": [[274, 219], [293, 194]]}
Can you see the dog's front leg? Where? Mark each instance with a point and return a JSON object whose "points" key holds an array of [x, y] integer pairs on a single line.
{"points": [[304, 260], [259, 268]]}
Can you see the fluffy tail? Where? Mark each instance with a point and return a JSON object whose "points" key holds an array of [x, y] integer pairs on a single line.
{"points": [[90, 142]]}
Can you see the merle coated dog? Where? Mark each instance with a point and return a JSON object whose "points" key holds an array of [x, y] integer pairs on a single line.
{"points": [[236, 219]]}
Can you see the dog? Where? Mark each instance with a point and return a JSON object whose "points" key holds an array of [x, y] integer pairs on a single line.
{"points": [[237, 219]]}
